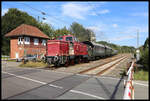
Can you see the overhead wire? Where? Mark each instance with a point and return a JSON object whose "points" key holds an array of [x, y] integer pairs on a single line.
{"points": [[96, 14], [52, 16]]}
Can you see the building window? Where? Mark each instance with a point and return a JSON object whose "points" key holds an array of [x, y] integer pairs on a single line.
{"points": [[27, 40], [20, 40], [36, 41], [44, 42]]}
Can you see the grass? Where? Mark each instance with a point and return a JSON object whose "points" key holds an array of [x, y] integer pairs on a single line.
{"points": [[4, 57], [33, 64], [141, 75], [138, 74], [11, 60]]}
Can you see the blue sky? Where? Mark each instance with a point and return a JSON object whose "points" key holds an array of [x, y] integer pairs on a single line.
{"points": [[115, 22]]}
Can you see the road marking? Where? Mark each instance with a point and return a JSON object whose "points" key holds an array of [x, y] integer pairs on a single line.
{"points": [[83, 75], [24, 78], [124, 79], [140, 84], [107, 77], [58, 72], [75, 91], [55, 86]]}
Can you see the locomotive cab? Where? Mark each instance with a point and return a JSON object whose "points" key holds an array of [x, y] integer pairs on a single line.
{"points": [[71, 45], [65, 49], [70, 39]]}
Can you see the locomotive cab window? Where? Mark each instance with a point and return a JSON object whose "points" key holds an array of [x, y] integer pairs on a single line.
{"points": [[69, 39], [60, 38]]}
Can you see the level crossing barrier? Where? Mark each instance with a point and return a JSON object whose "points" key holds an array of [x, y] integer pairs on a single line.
{"points": [[129, 89]]}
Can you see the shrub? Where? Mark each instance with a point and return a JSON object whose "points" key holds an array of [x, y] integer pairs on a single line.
{"points": [[145, 59]]}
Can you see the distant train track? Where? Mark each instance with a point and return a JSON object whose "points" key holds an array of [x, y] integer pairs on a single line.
{"points": [[100, 69]]}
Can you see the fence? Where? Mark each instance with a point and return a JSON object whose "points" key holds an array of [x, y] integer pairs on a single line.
{"points": [[4, 57], [129, 89]]}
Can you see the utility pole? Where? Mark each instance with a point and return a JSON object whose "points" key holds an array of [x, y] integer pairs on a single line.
{"points": [[137, 38], [137, 51], [38, 18]]}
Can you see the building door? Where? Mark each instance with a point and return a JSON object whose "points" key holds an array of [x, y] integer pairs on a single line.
{"points": [[17, 55]]}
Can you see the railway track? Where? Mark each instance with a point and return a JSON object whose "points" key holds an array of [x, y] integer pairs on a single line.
{"points": [[105, 59], [100, 69]]}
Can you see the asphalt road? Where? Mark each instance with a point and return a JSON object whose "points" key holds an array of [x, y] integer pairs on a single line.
{"points": [[30, 83]]}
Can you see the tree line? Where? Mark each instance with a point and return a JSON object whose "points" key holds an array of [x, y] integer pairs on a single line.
{"points": [[14, 18], [144, 55], [121, 49]]}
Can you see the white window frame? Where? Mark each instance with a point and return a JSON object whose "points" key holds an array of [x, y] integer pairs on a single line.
{"points": [[36, 41], [44, 42], [26, 40], [20, 40]]}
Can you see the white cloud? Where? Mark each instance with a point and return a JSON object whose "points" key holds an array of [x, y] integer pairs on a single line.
{"points": [[80, 10], [123, 38], [4, 11], [95, 13], [130, 33], [103, 11], [94, 28], [133, 29], [115, 25], [77, 11], [99, 30], [140, 14]]}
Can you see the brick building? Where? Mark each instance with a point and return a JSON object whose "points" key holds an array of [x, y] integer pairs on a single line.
{"points": [[27, 40]]}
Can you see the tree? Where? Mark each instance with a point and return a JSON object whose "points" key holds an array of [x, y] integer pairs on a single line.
{"points": [[121, 49], [47, 29], [144, 58], [61, 32], [146, 45], [14, 18], [80, 32]]}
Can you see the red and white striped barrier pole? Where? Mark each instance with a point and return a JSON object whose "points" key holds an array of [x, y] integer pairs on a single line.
{"points": [[129, 89]]}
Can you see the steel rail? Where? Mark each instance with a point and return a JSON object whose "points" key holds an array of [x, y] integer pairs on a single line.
{"points": [[104, 70], [87, 70]]}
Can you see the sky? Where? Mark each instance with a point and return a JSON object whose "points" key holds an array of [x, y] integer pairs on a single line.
{"points": [[114, 22]]}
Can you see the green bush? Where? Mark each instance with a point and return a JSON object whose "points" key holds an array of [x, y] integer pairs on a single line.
{"points": [[141, 75], [144, 60]]}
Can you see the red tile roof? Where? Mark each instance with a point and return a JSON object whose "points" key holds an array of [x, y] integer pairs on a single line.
{"points": [[27, 30]]}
